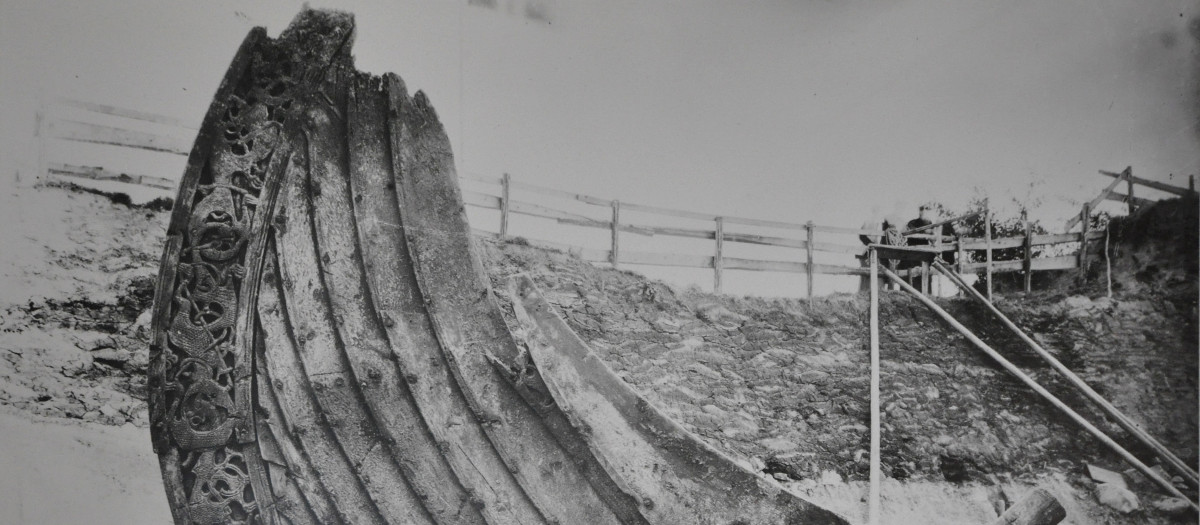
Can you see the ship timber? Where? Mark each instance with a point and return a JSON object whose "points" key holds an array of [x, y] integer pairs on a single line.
{"points": [[327, 349]]}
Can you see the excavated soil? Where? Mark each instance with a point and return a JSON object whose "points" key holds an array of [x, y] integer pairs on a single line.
{"points": [[779, 384]]}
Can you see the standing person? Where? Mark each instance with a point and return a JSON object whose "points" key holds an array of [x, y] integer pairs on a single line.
{"points": [[892, 237], [921, 221], [875, 223]]}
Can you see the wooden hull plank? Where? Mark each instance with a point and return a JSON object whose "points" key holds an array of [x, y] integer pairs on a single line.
{"points": [[471, 333], [357, 330], [323, 357], [679, 478], [394, 295], [299, 411]]}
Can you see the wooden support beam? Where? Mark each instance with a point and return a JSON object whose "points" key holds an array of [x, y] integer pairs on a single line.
{"points": [[1123, 420], [1027, 267], [987, 239], [1045, 394], [1085, 216], [616, 234], [718, 260], [504, 203], [808, 249], [1131, 203], [874, 473], [1039, 507], [1175, 190]]}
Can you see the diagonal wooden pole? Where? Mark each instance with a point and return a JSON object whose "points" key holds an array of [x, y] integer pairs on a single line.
{"points": [[1124, 421], [1024, 378]]}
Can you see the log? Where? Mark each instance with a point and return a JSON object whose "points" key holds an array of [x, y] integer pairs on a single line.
{"points": [[1039, 507]]}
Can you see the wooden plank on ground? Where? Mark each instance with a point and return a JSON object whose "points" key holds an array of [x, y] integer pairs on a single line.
{"points": [[98, 173]]}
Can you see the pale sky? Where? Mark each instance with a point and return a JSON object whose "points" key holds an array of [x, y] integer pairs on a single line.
{"points": [[793, 111]]}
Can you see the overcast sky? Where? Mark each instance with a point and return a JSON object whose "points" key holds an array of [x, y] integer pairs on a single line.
{"points": [[794, 111]]}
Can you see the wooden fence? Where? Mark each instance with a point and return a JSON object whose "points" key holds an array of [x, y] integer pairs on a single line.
{"points": [[799, 243]]}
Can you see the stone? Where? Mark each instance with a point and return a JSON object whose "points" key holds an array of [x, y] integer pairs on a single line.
{"points": [[1173, 506], [830, 477], [815, 377], [1116, 497], [1103, 475], [704, 371], [778, 444]]}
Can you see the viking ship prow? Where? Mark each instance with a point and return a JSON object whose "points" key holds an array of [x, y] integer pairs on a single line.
{"points": [[327, 349]]}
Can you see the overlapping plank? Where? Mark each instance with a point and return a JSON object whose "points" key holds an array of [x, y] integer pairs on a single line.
{"points": [[324, 362], [393, 293], [357, 331], [564, 486]]}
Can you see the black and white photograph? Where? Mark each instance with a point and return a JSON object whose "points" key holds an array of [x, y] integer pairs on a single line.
{"points": [[575, 262]]}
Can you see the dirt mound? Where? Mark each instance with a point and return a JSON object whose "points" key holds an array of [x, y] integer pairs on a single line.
{"points": [[778, 384]]}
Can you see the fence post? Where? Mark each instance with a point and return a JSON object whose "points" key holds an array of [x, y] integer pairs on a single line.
{"points": [[718, 263], [987, 241], [1028, 264], [1192, 183], [808, 248], [1084, 216], [40, 132], [504, 205], [962, 254], [1129, 178], [616, 234]]}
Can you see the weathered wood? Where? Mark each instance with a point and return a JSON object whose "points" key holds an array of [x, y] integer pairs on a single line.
{"points": [[1027, 267], [1100, 198], [1039, 507], [676, 476], [98, 173], [987, 239], [1175, 190], [875, 473], [1133, 202], [616, 234], [529, 432], [718, 255], [1124, 421], [808, 256], [504, 204], [1045, 394], [1085, 215], [126, 113], [99, 134]]}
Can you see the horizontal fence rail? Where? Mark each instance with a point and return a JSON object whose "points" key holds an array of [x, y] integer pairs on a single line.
{"points": [[52, 127]]}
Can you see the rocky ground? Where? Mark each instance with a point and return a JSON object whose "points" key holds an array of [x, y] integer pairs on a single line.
{"points": [[779, 384]]}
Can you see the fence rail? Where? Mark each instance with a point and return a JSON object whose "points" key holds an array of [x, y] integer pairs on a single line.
{"points": [[501, 198]]}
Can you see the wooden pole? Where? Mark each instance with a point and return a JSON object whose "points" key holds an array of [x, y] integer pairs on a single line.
{"points": [[40, 131], [962, 254], [1012, 369], [987, 240], [1192, 183], [875, 474], [1027, 265], [1118, 416], [1107, 262], [504, 186], [937, 243], [1129, 177], [809, 257], [1084, 218], [615, 255], [1039, 507], [718, 262]]}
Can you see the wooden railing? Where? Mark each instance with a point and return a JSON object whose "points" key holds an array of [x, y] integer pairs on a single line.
{"points": [[1129, 198], [797, 240]]}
